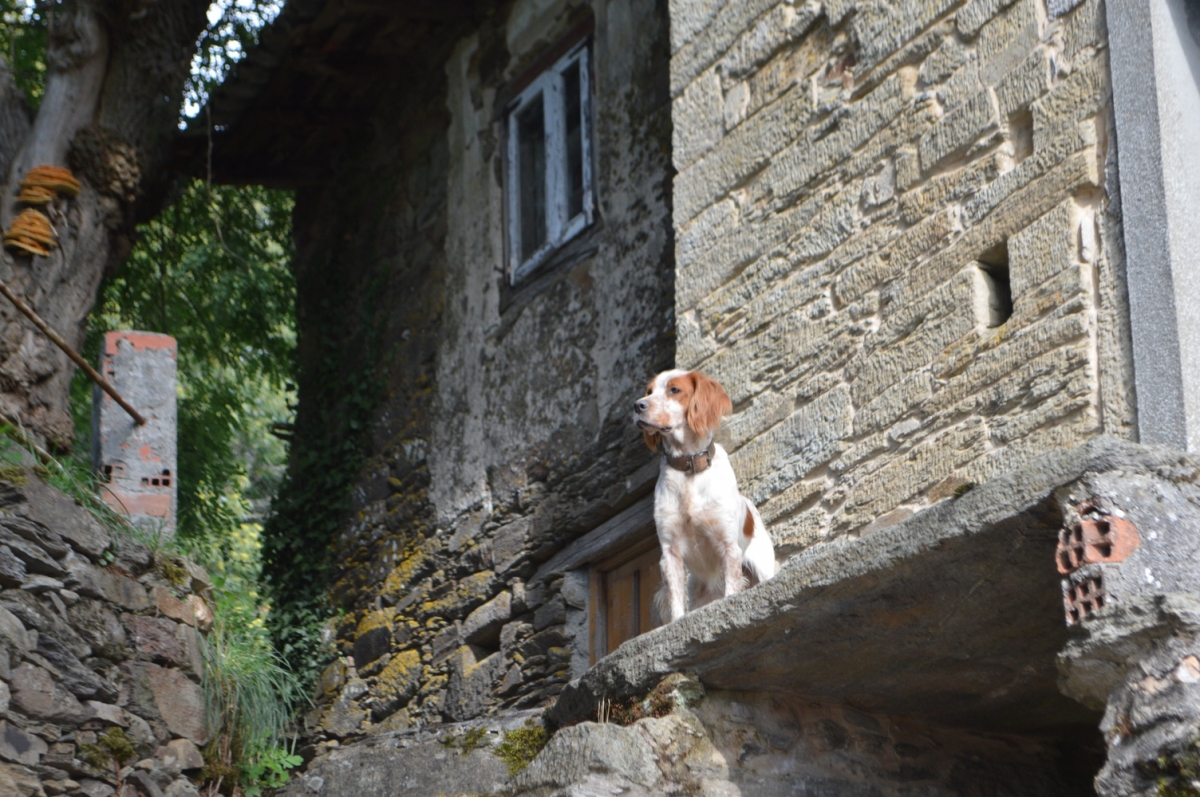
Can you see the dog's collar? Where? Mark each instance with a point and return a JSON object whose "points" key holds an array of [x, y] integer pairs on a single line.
{"points": [[692, 464]]}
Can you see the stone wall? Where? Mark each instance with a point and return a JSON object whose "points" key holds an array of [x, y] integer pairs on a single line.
{"points": [[503, 431], [98, 640], [696, 742], [896, 245]]}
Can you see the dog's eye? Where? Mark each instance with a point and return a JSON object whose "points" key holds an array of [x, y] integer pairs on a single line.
{"points": [[674, 389]]}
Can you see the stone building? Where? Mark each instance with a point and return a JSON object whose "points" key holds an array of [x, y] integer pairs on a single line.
{"points": [[935, 250]]}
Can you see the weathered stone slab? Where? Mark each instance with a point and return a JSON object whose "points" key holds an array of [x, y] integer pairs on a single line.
{"points": [[957, 599], [154, 639], [37, 695], [20, 747], [98, 582], [159, 693]]}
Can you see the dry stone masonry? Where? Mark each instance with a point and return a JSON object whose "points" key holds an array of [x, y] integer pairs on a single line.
{"points": [[100, 655], [895, 246]]}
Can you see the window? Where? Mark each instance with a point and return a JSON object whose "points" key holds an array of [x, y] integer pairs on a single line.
{"points": [[549, 169], [622, 600]]}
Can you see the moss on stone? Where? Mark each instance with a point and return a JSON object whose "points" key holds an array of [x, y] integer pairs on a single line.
{"points": [[112, 746], [472, 739], [172, 571], [521, 746]]}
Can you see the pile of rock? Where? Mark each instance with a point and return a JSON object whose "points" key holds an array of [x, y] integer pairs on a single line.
{"points": [[100, 655]]}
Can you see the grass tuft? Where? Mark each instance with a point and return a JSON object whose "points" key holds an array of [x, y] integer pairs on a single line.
{"points": [[521, 746]]}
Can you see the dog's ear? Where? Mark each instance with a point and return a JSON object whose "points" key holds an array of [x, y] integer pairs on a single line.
{"points": [[709, 403], [652, 439]]}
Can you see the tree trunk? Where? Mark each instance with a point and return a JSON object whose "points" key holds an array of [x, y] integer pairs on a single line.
{"points": [[114, 82]]}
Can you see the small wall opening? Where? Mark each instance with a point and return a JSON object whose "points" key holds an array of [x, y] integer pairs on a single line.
{"points": [[994, 303]]}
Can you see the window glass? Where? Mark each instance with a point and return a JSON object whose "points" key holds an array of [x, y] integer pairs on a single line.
{"points": [[531, 157], [572, 101]]}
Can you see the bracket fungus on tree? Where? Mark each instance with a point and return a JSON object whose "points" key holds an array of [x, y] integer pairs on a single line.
{"points": [[31, 231]]}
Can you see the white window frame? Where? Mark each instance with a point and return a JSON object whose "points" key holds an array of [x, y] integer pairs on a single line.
{"points": [[559, 229]]}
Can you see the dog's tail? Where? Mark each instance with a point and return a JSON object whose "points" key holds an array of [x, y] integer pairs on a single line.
{"points": [[758, 557]]}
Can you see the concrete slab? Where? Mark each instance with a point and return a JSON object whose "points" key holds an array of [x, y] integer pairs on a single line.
{"points": [[954, 616]]}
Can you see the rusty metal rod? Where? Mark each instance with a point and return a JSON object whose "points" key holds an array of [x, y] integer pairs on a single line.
{"points": [[74, 355]]}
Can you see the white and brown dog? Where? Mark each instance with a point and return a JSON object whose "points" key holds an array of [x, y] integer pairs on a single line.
{"points": [[704, 523]]}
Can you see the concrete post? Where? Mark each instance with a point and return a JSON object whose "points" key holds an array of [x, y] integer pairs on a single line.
{"points": [[1131, 597], [1155, 68], [138, 462]]}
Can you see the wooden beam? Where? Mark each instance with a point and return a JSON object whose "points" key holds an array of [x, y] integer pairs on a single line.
{"points": [[622, 531]]}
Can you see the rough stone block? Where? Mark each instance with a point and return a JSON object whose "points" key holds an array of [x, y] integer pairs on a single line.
{"points": [[54, 510], [159, 693], [697, 119], [482, 626], [97, 582], [689, 17], [12, 568], [893, 403], [181, 787], [1083, 30], [397, 683], [20, 747], [37, 695], [978, 13], [154, 639], [100, 628], [1080, 96], [816, 153], [621, 756], [193, 657], [107, 713], [179, 755], [471, 683], [875, 371], [80, 680], [702, 51], [808, 438], [34, 558], [1023, 85], [736, 156], [944, 62], [958, 130], [1041, 250], [1005, 41], [881, 29], [782, 24], [509, 544], [46, 539]]}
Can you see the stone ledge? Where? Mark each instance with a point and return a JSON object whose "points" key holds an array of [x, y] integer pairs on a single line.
{"points": [[953, 615]]}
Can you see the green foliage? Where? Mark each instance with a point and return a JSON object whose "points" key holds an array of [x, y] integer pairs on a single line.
{"points": [[214, 272], [232, 30], [250, 696], [23, 37], [270, 771], [521, 746]]}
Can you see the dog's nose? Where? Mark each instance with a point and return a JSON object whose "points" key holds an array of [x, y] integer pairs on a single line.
{"points": [[641, 405]]}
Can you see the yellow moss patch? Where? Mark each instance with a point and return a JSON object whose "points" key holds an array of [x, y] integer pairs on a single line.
{"points": [[473, 589], [373, 620], [401, 678]]}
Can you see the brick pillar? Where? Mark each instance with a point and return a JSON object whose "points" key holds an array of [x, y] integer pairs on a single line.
{"points": [[138, 462], [1129, 552]]}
